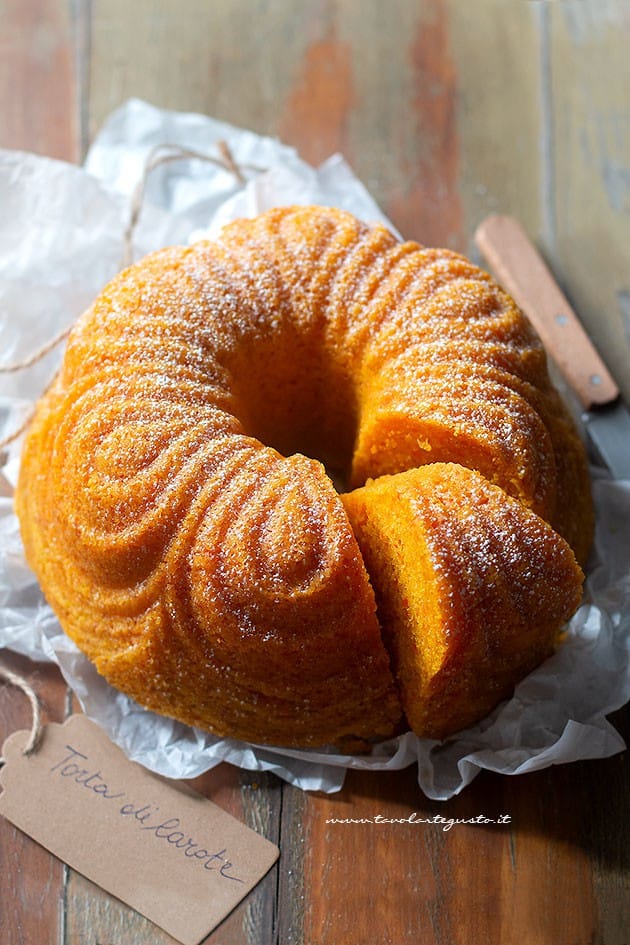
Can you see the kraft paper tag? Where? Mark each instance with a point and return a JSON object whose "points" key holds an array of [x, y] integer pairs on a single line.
{"points": [[158, 846]]}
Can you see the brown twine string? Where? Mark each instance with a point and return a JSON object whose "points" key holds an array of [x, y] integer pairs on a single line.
{"points": [[11, 437], [38, 355], [36, 724], [7, 440], [168, 154], [161, 154]]}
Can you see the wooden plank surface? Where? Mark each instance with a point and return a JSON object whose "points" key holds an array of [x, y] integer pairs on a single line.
{"points": [[31, 881], [448, 111], [37, 78], [37, 113], [589, 142]]}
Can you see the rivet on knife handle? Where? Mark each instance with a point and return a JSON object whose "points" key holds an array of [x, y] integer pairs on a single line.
{"points": [[520, 269]]}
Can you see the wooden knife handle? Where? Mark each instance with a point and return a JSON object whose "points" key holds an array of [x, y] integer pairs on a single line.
{"points": [[519, 267]]}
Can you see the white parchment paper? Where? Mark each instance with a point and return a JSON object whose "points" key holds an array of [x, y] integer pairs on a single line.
{"points": [[61, 238]]}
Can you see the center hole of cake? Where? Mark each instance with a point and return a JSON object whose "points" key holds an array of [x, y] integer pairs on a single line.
{"points": [[294, 412]]}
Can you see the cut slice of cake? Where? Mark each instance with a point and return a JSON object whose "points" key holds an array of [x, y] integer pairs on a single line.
{"points": [[472, 589]]}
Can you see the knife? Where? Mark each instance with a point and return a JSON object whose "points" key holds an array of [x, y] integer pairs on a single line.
{"points": [[520, 268]]}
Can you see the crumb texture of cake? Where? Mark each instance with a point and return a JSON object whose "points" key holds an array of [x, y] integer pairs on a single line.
{"points": [[175, 504], [472, 588]]}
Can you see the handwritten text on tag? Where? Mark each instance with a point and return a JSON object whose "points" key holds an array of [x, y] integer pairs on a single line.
{"points": [[164, 850]]}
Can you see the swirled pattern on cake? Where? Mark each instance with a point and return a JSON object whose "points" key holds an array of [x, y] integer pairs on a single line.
{"points": [[203, 560]]}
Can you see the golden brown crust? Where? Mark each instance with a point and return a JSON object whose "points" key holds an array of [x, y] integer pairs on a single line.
{"points": [[217, 579], [471, 599]]}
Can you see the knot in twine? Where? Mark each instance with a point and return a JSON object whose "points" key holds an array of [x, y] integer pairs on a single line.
{"points": [[159, 155], [167, 154], [36, 724]]}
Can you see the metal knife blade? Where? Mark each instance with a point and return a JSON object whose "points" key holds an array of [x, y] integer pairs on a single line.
{"points": [[520, 268]]}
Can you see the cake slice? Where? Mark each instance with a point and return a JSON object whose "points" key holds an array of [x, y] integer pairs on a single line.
{"points": [[472, 589]]}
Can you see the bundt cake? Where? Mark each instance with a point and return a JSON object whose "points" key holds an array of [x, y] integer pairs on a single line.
{"points": [[210, 569]]}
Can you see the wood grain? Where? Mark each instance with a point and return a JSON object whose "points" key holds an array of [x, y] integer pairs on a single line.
{"points": [[37, 89], [37, 113], [31, 881], [590, 156], [531, 881], [321, 98], [374, 81], [498, 112]]}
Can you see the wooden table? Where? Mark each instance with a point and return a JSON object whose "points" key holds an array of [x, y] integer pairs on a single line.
{"points": [[448, 111]]}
